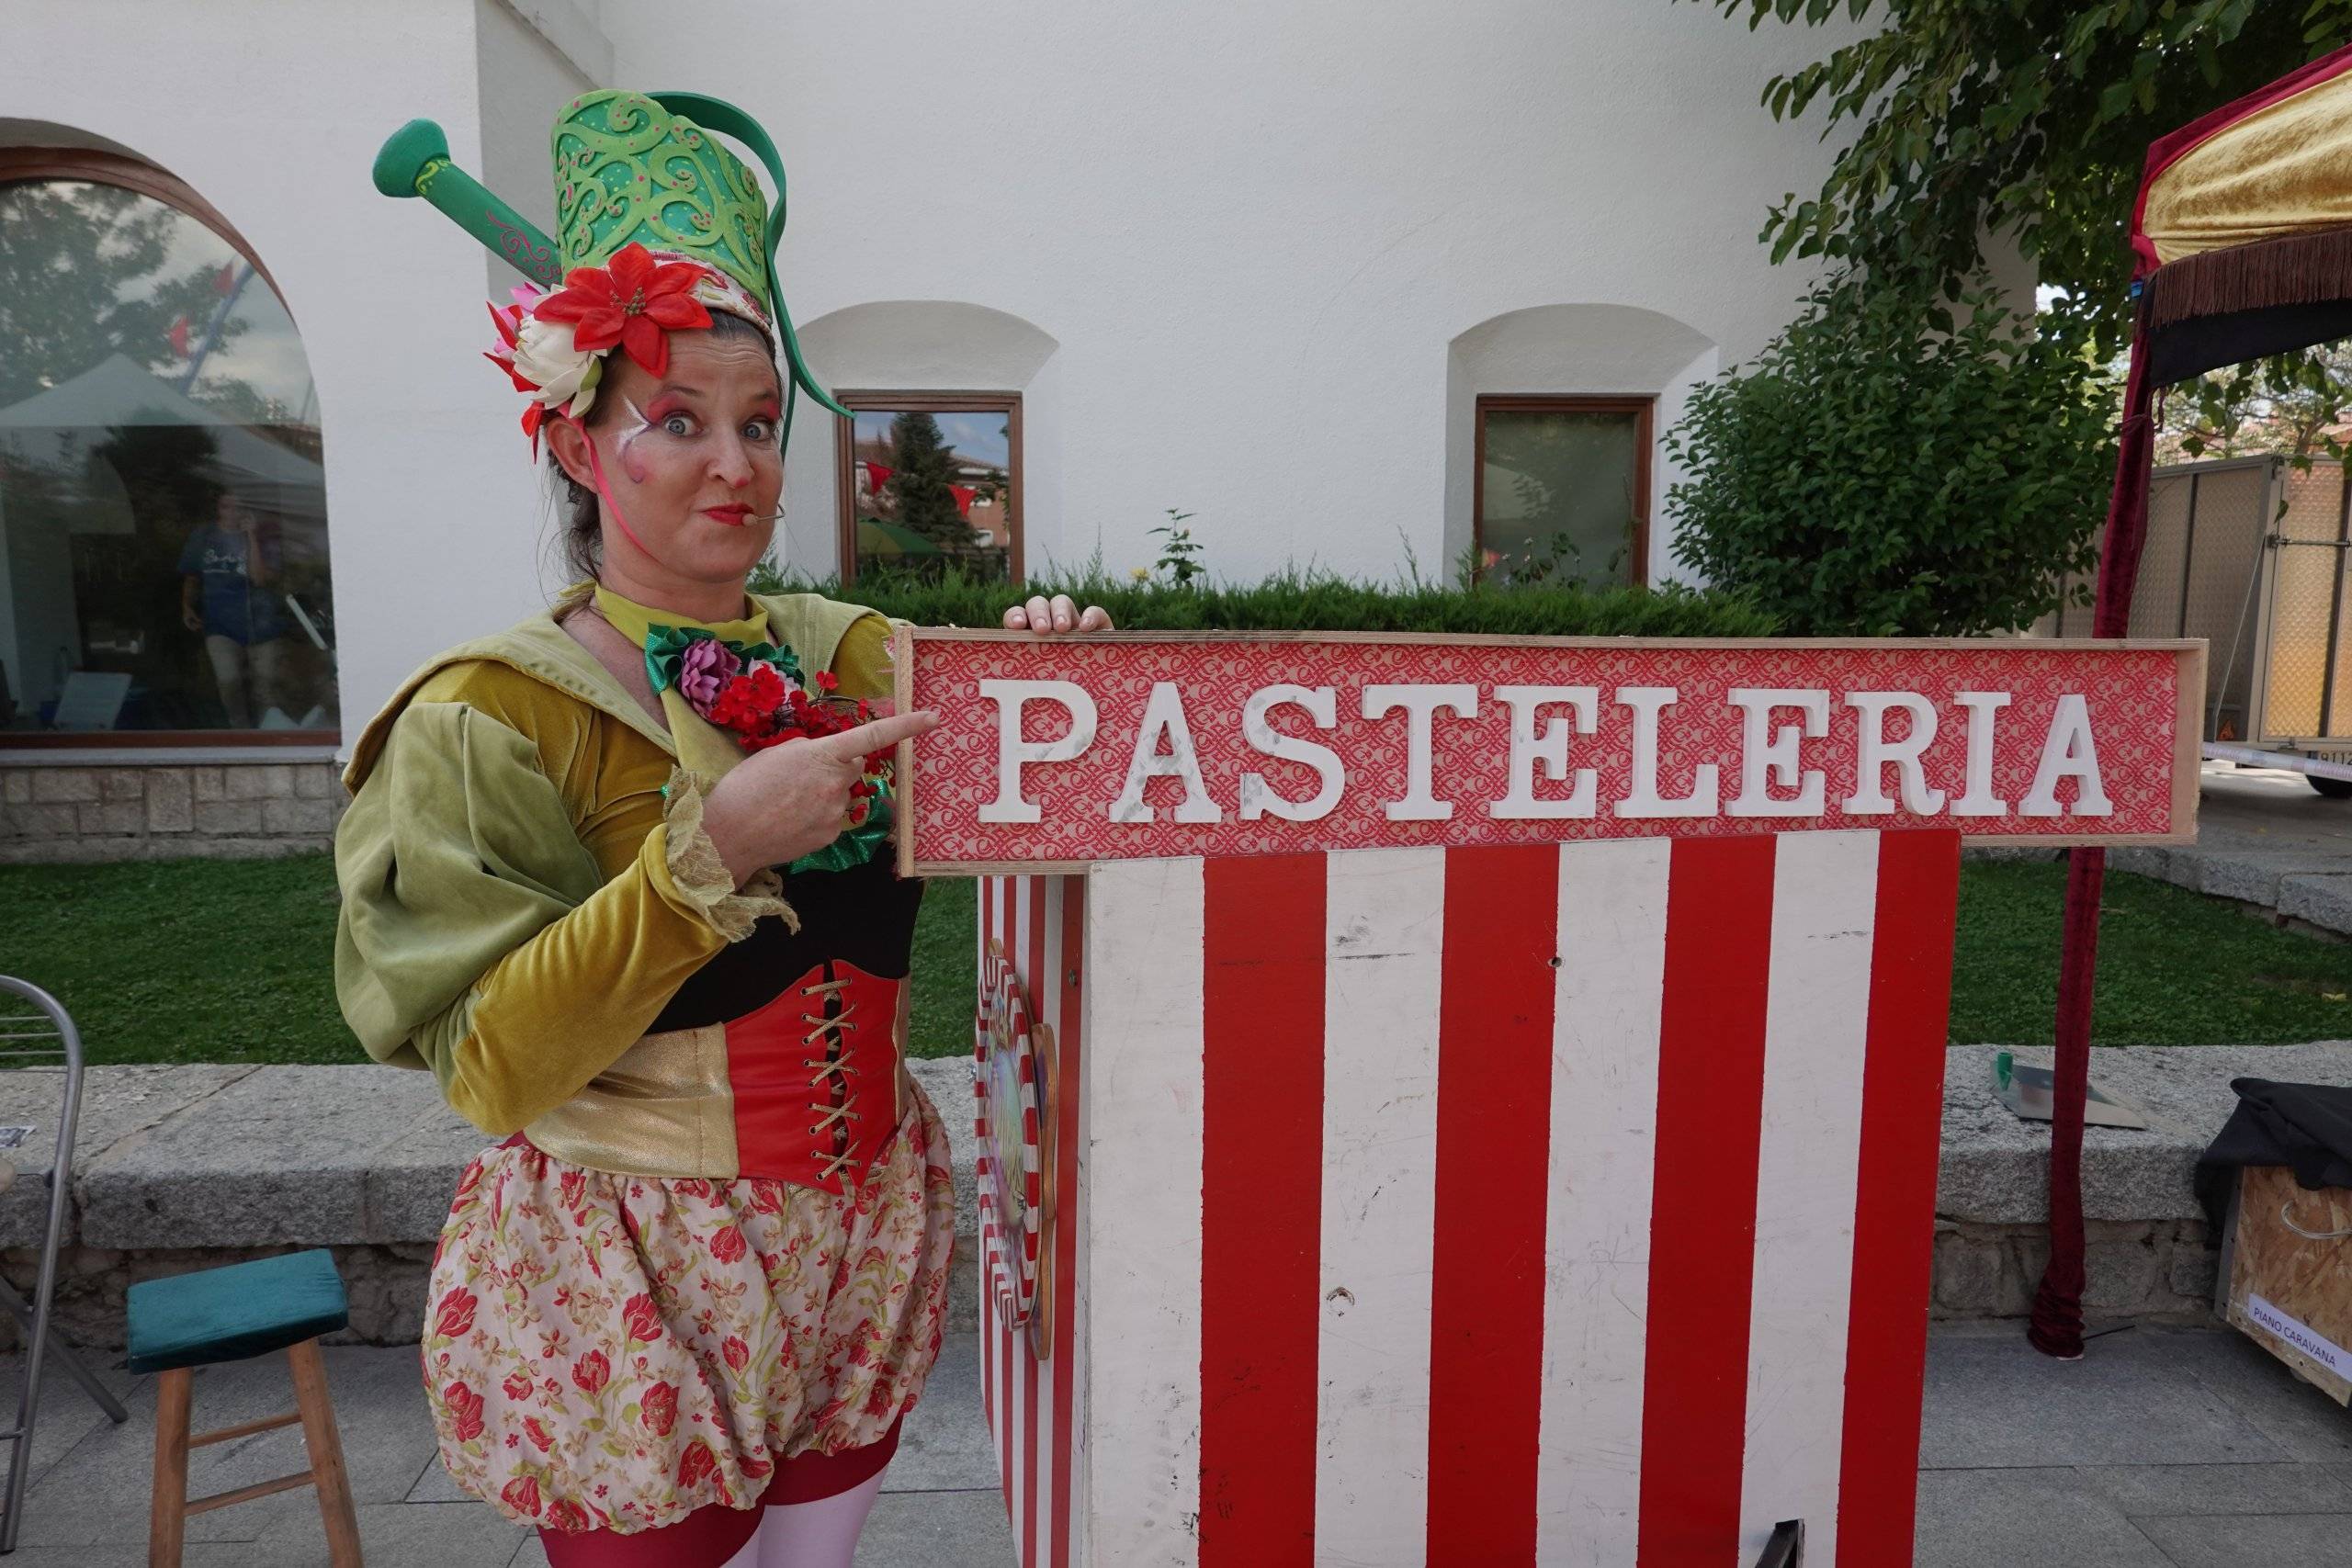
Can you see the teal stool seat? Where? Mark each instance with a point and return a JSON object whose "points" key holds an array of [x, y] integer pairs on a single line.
{"points": [[229, 1313]]}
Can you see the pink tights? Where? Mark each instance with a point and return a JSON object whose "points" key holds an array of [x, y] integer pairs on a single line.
{"points": [[823, 1534]]}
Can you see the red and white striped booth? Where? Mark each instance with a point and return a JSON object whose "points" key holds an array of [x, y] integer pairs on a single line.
{"points": [[1467, 1203]]}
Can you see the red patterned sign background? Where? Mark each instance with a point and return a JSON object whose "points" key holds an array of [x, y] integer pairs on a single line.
{"points": [[2132, 697]]}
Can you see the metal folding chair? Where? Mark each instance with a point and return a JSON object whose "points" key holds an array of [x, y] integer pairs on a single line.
{"points": [[29, 1039]]}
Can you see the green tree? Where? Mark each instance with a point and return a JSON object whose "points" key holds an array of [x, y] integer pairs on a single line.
{"points": [[1867, 476], [926, 466], [2031, 121], [2016, 117], [2290, 406]]}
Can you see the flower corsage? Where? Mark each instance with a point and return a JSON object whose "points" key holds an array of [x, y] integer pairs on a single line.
{"points": [[757, 693]]}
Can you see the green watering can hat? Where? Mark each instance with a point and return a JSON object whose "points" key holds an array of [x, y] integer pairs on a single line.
{"points": [[658, 223]]}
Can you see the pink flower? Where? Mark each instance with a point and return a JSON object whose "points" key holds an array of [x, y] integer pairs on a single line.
{"points": [[522, 1495], [727, 1244], [658, 1409], [541, 1438], [518, 1385], [564, 1515], [697, 1463], [591, 1372], [736, 1352], [705, 666], [465, 1411], [455, 1318], [644, 1322]]}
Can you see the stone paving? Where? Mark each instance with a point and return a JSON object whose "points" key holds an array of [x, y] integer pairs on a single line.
{"points": [[2161, 1448], [940, 1506], [2264, 837]]}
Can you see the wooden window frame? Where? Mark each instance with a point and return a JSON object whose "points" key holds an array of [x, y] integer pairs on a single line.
{"points": [[883, 402], [1644, 406], [27, 166]]}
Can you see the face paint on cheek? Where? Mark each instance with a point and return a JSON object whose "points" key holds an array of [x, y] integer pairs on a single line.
{"points": [[632, 464]]}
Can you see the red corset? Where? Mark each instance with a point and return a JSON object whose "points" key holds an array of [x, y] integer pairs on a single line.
{"points": [[815, 1075]]}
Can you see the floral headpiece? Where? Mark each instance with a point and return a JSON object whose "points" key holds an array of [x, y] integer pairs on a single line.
{"points": [[658, 223], [553, 345]]}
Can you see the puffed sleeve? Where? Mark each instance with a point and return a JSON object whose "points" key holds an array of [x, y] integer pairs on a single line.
{"points": [[477, 938], [861, 661]]}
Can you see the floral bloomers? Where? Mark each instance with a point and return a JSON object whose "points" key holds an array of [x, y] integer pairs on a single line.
{"points": [[615, 1351]]}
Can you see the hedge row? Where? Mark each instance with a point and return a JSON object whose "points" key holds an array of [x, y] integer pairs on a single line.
{"points": [[1305, 602]]}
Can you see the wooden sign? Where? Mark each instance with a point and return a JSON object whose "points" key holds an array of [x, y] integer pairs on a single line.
{"points": [[1059, 754], [1537, 1204]]}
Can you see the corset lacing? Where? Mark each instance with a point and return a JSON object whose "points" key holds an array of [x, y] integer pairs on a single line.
{"points": [[833, 1075]]}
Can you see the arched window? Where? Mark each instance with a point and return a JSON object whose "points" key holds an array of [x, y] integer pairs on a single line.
{"points": [[162, 507]]}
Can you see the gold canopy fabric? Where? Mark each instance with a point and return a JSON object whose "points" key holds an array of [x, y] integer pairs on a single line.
{"points": [[2282, 166]]}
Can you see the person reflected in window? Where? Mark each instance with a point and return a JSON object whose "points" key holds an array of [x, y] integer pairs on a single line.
{"points": [[228, 596]]}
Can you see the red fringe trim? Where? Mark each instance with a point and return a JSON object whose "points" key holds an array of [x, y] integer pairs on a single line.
{"points": [[2298, 269]]}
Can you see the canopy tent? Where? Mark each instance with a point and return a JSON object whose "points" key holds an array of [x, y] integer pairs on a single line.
{"points": [[879, 538], [54, 427], [2243, 233]]}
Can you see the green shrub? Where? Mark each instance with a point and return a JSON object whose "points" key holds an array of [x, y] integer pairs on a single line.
{"points": [[1306, 600], [1880, 470]]}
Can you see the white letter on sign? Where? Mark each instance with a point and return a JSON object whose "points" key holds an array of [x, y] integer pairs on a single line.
{"points": [[1977, 798], [2068, 753], [1768, 755], [1877, 753], [1644, 800], [1418, 702], [1013, 753], [1258, 797], [1164, 715], [1551, 748]]}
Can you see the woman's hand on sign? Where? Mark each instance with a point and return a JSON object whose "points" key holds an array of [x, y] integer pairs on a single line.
{"points": [[788, 801], [1057, 616]]}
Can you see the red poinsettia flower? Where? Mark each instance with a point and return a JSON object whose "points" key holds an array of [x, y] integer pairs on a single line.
{"points": [[633, 303]]}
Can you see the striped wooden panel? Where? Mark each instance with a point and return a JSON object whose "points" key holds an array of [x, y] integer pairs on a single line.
{"points": [[1500, 1205]]}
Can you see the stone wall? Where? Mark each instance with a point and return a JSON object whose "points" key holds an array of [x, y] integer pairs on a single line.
{"points": [[56, 808], [178, 1168], [385, 1284], [2142, 1271], [186, 1168]]}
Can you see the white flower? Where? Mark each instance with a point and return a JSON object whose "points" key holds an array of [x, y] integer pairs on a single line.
{"points": [[544, 356]]}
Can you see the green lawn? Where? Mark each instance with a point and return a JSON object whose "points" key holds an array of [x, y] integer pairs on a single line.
{"points": [[2175, 968], [213, 961]]}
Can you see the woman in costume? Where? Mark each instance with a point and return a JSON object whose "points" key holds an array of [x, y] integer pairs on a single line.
{"points": [[619, 878]]}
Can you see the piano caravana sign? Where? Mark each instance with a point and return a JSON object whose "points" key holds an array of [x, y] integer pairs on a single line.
{"points": [[1059, 754]]}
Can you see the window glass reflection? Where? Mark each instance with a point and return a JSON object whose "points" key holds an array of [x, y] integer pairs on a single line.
{"points": [[1560, 497], [931, 489], [162, 509]]}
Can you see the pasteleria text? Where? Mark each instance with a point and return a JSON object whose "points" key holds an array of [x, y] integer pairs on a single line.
{"points": [[1063, 753]]}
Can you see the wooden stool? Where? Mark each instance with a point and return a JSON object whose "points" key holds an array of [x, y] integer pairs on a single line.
{"points": [[228, 1314]]}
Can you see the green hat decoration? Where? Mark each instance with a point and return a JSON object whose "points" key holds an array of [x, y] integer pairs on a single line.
{"points": [[631, 168]]}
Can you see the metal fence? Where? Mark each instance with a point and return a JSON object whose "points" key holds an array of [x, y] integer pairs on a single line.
{"points": [[2250, 554]]}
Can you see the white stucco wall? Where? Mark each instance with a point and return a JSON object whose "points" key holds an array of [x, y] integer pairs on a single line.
{"points": [[1250, 262], [1257, 232]]}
